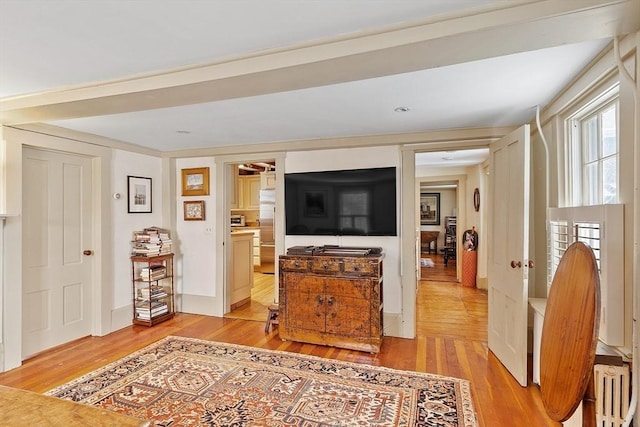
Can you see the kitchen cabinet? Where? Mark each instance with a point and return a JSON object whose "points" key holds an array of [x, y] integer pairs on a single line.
{"points": [[268, 180], [330, 300], [247, 195], [256, 248]]}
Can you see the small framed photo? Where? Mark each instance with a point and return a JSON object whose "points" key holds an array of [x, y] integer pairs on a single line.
{"points": [[194, 210], [195, 182], [139, 194]]}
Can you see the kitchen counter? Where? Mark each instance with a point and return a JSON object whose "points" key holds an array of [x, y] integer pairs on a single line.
{"points": [[241, 278], [244, 230], [255, 231]]}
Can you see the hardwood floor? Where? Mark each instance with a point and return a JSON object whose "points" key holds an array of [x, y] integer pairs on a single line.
{"points": [[452, 340], [262, 296], [439, 272]]}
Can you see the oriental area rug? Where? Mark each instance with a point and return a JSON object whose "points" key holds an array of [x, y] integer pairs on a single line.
{"points": [[191, 382]]}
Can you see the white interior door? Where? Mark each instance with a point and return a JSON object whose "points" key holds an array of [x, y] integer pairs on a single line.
{"points": [[56, 290], [508, 251]]}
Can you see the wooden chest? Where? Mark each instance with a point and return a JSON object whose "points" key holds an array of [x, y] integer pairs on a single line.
{"points": [[330, 300]]}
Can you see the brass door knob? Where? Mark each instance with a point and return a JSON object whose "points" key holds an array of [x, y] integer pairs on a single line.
{"points": [[516, 264], [87, 252]]}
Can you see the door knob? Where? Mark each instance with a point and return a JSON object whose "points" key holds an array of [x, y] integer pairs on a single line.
{"points": [[516, 264], [87, 252], [530, 264]]}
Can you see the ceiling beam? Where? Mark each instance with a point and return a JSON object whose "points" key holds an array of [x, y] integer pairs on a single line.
{"points": [[435, 43]]}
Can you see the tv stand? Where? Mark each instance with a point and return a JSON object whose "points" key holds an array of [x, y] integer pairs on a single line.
{"points": [[332, 295]]}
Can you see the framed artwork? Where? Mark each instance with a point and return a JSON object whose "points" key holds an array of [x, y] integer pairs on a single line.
{"points": [[429, 208], [194, 210], [195, 182], [139, 194]]}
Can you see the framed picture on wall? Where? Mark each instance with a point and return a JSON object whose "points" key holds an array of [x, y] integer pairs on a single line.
{"points": [[195, 182], [139, 194], [429, 208], [194, 210]]}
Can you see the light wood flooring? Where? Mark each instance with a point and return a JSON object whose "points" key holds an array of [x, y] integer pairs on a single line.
{"points": [[262, 296], [452, 340], [439, 272]]}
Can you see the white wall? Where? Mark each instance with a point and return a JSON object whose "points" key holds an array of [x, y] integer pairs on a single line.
{"points": [[125, 163], [195, 244]]}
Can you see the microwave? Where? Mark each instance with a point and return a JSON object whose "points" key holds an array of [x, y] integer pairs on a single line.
{"points": [[237, 221]]}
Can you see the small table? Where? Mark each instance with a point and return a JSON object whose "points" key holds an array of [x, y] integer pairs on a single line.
{"points": [[426, 237], [26, 408]]}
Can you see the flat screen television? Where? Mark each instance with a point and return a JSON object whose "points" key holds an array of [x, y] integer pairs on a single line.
{"points": [[355, 202]]}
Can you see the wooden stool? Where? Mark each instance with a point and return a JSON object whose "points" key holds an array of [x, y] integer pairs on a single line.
{"points": [[272, 317]]}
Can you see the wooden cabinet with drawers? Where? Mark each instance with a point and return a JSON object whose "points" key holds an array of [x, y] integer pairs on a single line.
{"points": [[329, 300]]}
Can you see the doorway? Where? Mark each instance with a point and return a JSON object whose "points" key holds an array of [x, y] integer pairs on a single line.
{"points": [[252, 210], [438, 243]]}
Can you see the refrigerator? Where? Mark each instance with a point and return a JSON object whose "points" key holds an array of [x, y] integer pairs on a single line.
{"points": [[267, 231]]}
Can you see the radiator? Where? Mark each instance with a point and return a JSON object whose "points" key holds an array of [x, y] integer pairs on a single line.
{"points": [[612, 394]]}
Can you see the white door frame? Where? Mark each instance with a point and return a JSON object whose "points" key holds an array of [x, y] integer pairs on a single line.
{"points": [[224, 167], [41, 137], [461, 190], [409, 225]]}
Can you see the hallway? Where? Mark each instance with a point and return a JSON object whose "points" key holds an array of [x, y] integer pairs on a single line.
{"points": [[439, 272]]}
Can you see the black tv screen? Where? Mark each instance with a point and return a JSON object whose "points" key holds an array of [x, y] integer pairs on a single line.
{"points": [[356, 202]]}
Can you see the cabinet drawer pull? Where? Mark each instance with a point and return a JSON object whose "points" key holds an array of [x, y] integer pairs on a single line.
{"points": [[356, 268], [330, 301], [296, 264], [320, 299], [325, 265]]}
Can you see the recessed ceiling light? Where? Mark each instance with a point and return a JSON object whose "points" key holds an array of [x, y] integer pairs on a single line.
{"points": [[401, 109], [184, 132], [447, 158]]}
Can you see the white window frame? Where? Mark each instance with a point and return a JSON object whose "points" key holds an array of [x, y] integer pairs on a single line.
{"points": [[574, 166]]}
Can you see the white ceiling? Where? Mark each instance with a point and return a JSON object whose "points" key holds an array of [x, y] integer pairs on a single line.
{"points": [[173, 75], [452, 158]]}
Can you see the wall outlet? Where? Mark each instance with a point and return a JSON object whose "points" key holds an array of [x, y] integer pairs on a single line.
{"points": [[208, 230]]}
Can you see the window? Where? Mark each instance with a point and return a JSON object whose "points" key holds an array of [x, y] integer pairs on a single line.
{"points": [[594, 151]]}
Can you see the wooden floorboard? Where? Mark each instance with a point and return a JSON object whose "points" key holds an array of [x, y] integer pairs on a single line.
{"points": [[439, 272], [452, 341]]}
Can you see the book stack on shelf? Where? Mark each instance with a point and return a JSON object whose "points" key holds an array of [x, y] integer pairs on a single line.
{"points": [[146, 311], [151, 241], [152, 276], [152, 292], [153, 272]]}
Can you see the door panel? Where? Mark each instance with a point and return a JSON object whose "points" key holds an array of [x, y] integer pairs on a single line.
{"points": [[57, 229], [305, 302], [348, 307], [508, 252]]}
